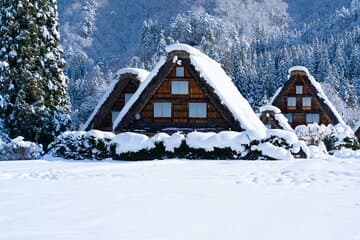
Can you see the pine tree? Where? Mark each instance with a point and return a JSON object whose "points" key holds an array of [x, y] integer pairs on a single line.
{"points": [[35, 87]]}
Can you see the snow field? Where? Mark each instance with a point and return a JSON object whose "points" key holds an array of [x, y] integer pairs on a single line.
{"points": [[180, 199]]}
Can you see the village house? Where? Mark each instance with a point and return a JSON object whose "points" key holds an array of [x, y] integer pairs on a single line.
{"points": [[303, 101], [124, 85], [272, 117], [185, 91]]}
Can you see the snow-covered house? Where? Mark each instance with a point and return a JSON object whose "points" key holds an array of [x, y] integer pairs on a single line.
{"points": [[272, 117], [303, 101], [119, 92], [187, 91]]}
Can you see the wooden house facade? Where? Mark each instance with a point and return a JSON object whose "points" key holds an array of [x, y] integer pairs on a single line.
{"points": [[187, 91], [303, 101], [119, 92]]}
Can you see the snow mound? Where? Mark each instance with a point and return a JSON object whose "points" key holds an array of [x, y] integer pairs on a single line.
{"points": [[270, 108], [18, 149], [131, 142]]}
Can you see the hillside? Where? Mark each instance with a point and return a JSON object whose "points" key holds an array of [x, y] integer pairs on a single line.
{"points": [[255, 41]]}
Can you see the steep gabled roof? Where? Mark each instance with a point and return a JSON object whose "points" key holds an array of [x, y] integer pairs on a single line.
{"points": [[316, 87], [140, 74], [214, 75]]}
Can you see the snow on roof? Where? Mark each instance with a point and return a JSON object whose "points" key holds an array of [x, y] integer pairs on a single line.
{"points": [[140, 74], [222, 84], [319, 91], [279, 117], [138, 92], [283, 121], [270, 108]]}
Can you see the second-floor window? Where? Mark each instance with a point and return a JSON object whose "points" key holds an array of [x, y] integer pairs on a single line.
{"points": [[180, 87], [306, 102], [162, 110], [197, 110], [291, 102]]}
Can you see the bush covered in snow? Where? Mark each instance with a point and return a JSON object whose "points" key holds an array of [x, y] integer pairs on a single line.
{"points": [[18, 149], [278, 144], [82, 145], [335, 137]]}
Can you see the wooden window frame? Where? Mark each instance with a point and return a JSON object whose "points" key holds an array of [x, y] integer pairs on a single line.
{"points": [[298, 86], [197, 116], [176, 71], [309, 122], [173, 81], [287, 103], [162, 117], [306, 107]]}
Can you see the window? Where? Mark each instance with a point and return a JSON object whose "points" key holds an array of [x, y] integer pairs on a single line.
{"points": [[128, 96], [312, 118], [306, 101], [162, 110], [197, 110], [180, 72], [299, 89], [291, 102], [289, 117], [179, 87], [114, 115]]}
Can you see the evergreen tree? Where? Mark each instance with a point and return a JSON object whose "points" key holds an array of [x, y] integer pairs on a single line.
{"points": [[34, 85]]}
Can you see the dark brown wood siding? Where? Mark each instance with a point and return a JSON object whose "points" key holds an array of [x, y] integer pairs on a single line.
{"points": [[115, 102], [299, 112], [180, 107]]}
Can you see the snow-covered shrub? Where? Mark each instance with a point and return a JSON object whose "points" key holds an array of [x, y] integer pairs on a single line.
{"points": [[335, 137], [82, 145], [279, 144], [18, 149]]}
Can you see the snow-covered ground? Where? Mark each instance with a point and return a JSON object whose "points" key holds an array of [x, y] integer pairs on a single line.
{"points": [[180, 199]]}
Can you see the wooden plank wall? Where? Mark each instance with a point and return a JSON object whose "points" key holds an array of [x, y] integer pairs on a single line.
{"points": [[299, 112], [180, 103]]}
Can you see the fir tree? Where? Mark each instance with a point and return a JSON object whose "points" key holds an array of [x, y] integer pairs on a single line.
{"points": [[33, 83]]}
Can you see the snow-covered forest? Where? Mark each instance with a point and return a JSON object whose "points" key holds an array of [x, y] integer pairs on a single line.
{"points": [[255, 41]]}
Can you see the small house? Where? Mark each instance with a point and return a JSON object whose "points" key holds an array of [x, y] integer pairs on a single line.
{"points": [[272, 118], [119, 92], [303, 101], [187, 91]]}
